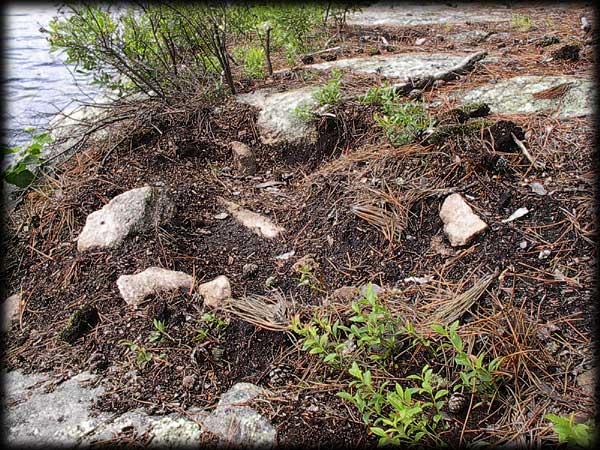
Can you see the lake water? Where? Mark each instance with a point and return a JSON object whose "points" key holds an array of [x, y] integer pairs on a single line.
{"points": [[37, 83]]}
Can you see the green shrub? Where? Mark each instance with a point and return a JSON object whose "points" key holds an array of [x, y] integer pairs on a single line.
{"points": [[253, 61], [172, 49], [369, 339], [401, 122]]}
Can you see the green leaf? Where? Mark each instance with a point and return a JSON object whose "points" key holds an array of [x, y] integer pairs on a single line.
{"points": [[316, 351], [345, 396], [330, 357], [355, 371], [378, 431], [21, 178], [440, 393]]}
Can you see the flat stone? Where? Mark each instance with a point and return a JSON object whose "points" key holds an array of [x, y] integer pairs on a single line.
{"points": [[258, 223], [215, 291], [58, 418], [10, 311], [238, 425], [277, 120], [63, 416], [538, 188], [132, 211], [423, 13], [243, 158], [461, 224], [402, 66], [469, 37], [345, 294], [135, 288], [515, 96]]}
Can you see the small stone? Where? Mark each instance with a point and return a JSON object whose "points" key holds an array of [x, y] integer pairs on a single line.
{"points": [[135, 288], [376, 289], [133, 211], [249, 269], [259, 224], [544, 254], [215, 291], [10, 310], [415, 94], [345, 294], [461, 224], [538, 188], [221, 216], [523, 245], [586, 380], [420, 41], [188, 381], [286, 256], [516, 215], [239, 425], [243, 158]]}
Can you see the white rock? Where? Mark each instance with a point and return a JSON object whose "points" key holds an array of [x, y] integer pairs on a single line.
{"points": [[278, 121], [215, 291], [243, 158], [420, 41], [461, 224], [538, 188], [261, 225], [10, 311], [133, 211], [517, 214], [135, 288], [238, 425]]}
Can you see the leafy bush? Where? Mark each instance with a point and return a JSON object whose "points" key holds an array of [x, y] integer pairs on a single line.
{"points": [[330, 93], [401, 122], [402, 413], [379, 95], [521, 22], [172, 48], [253, 61], [18, 172]]}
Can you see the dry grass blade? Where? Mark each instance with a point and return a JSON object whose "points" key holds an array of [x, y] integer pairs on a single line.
{"points": [[453, 308], [268, 312], [381, 219], [553, 92]]}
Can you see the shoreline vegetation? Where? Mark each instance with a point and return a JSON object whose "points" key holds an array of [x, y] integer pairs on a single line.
{"points": [[412, 271]]}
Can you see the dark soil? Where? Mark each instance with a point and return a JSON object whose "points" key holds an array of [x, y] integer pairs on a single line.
{"points": [[350, 165]]}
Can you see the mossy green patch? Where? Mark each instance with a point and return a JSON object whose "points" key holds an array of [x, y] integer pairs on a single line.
{"points": [[80, 323]]}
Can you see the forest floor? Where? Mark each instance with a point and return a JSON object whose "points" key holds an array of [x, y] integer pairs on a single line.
{"points": [[537, 312]]}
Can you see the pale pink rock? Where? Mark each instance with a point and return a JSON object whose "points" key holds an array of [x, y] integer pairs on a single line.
{"points": [[461, 224], [216, 291], [135, 288]]}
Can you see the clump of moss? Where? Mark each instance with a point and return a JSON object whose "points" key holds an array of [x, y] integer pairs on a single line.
{"points": [[471, 128], [81, 322], [463, 113]]}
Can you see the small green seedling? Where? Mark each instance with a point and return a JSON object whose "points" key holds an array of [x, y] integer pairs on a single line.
{"points": [[573, 434]]}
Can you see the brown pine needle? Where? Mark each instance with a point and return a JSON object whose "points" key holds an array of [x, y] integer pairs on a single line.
{"points": [[553, 92]]}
